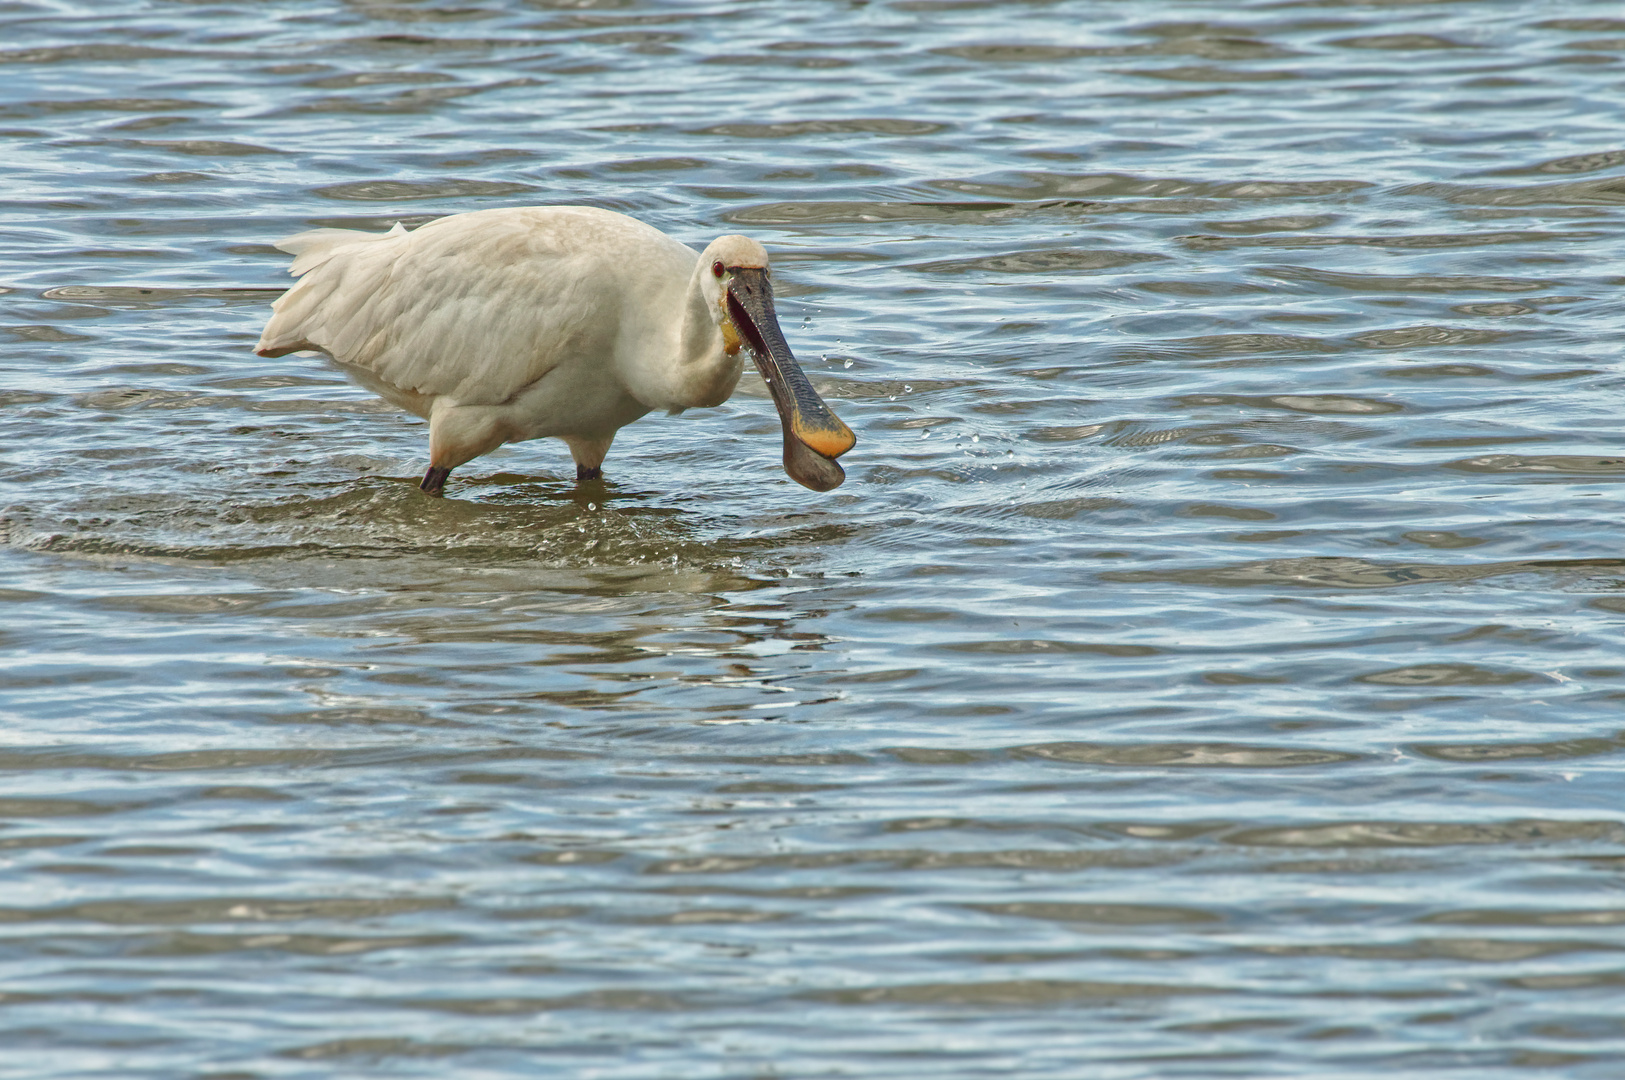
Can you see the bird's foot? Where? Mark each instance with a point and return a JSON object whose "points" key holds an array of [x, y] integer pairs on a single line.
{"points": [[584, 473], [434, 481]]}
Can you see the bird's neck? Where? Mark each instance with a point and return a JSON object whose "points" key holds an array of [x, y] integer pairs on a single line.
{"points": [[708, 360], [678, 357]]}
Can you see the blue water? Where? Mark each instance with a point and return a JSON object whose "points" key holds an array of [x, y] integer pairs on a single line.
{"points": [[1212, 666]]}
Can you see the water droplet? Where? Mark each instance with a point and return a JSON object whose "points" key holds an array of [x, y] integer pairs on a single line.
{"points": [[907, 389], [848, 362], [975, 438]]}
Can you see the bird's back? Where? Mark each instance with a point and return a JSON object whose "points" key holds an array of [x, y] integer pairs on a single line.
{"points": [[477, 306]]}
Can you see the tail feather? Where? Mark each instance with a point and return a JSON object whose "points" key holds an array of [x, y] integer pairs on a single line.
{"points": [[312, 247], [299, 314]]}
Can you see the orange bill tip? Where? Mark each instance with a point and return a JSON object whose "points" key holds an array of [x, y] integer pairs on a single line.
{"points": [[831, 442]]}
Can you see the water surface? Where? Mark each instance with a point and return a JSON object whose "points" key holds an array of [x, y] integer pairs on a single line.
{"points": [[1212, 666]]}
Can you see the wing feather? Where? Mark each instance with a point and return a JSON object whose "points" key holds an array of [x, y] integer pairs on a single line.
{"points": [[474, 307]]}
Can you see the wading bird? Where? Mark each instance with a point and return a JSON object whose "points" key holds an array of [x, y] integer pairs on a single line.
{"points": [[567, 321]]}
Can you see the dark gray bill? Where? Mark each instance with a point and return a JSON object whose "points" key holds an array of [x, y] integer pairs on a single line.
{"points": [[813, 436]]}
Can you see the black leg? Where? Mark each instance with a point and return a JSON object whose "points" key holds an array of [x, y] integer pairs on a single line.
{"points": [[588, 472], [434, 481]]}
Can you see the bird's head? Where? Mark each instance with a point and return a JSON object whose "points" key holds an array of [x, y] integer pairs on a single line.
{"points": [[736, 283]]}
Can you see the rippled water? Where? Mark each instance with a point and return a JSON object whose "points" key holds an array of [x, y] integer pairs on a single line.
{"points": [[1212, 666]]}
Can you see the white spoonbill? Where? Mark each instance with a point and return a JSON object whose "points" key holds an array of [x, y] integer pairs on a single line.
{"points": [[504, 325]]}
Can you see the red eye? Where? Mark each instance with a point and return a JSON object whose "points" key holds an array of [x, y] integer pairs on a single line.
{"points": [[716, 268]]}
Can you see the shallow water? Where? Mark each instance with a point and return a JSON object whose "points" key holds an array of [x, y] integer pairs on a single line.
{"points": [[1212, 666]]}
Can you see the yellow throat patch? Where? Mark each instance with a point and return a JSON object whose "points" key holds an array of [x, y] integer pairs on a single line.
{"points": [[730, 338]]}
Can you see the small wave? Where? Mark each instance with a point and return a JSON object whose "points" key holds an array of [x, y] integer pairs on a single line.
{"points": [[1335, 572], [401, 190]]}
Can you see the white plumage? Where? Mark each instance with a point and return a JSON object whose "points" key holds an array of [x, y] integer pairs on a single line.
{"points": [[504, 325]]}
